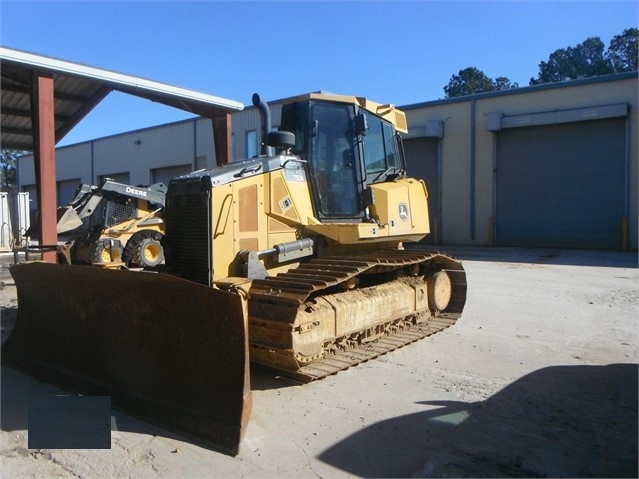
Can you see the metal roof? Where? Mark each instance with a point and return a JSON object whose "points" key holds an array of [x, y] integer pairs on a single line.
{"points": [[524, 89], [77, 90]]}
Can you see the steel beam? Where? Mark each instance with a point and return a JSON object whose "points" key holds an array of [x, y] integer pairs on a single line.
{"points": [[42, 106], [222, 135]]}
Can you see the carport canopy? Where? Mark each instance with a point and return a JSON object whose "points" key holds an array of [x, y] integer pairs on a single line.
{"points": [[43, 98]]}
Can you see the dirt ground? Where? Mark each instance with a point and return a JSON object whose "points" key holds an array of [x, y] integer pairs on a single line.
{"points": [[537, 379]]}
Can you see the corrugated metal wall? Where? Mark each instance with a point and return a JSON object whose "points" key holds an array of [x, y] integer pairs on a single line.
{"points": [[131, 157], [72, 162], [204, 144], [140, 152], [247, 120]]}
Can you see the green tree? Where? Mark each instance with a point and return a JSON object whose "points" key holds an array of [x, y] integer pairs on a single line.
{"points": [[9, 170], [472, 80], [622, 52], [583, 61], [589, 59], [503, 83]]}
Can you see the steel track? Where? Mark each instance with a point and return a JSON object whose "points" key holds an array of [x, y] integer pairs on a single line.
{"points": [[319, 276]]}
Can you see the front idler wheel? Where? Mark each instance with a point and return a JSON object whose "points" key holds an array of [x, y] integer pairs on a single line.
{"points": [[439, 290]]}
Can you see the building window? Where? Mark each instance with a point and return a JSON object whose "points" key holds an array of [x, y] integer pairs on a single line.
{"points": [[251, 143]]}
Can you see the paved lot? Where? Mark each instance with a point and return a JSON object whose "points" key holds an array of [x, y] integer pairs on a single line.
{"points": [[538, 378]]}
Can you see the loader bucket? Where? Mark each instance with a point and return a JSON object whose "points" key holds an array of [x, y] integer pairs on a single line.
{"points": [[166, 349], [68, 220]]}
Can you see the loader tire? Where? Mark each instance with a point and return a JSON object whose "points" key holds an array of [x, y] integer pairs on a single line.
{"points": [[144, 249], [104, 253]]}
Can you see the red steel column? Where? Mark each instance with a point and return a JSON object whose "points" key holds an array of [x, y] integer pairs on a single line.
{"points": [[44, 155], [222, 135]]}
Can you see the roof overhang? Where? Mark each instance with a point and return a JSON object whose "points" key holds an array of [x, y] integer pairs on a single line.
{"points": [[77, 90]]}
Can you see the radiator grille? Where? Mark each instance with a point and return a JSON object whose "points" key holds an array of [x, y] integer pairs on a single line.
{"points": [[188, 235]]}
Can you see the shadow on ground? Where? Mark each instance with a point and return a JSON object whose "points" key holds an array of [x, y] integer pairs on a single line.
{"points": [[562, 421], [556, 256], [56, 417], [263, 379]]}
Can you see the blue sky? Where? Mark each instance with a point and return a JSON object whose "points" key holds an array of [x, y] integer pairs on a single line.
{"points": [[389, 51]]}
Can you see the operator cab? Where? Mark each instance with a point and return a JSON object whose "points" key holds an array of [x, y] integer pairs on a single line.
{"points": [[346, 148]]}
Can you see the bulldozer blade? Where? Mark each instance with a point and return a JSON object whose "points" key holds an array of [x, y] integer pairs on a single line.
{"points": [[68, 221], [165, 349]]}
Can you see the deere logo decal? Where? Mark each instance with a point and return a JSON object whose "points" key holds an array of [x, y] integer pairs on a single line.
{"points": [[403, 212], [135, 191]]}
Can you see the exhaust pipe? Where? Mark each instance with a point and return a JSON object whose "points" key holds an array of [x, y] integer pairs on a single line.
{"points": [[265, 115]]}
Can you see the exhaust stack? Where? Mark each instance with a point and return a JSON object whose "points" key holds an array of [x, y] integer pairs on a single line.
{"points": [[265, 115]]}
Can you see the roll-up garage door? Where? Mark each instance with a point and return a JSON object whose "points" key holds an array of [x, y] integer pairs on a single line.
{"points": [[164, 175], [561, 185], [66, 190], [421, 162]]}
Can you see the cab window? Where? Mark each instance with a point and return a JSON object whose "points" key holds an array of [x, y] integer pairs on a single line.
{"points": [[379, 149]]}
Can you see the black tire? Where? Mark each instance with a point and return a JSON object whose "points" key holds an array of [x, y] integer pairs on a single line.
{"points": [[104, 252], [144, 249], [61, 259]]}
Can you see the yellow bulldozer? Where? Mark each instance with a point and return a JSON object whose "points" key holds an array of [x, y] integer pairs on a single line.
{"points": [[293, 260]]}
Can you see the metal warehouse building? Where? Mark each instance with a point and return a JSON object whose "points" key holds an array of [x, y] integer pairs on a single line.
{"points": [[553, 165]]}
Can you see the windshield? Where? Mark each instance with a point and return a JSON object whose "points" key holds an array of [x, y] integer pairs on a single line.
{"points": [[332, 159]]}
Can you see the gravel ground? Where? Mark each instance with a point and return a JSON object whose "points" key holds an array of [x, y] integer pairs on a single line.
{"points": [[537, 379]]}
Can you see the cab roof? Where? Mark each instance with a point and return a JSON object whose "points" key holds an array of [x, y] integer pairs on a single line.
{"points": [[387, 111]]}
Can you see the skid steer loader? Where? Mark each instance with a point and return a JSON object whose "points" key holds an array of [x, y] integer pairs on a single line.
{"points": [[115, 224], [293, 260]]}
